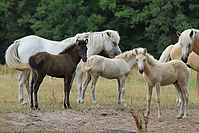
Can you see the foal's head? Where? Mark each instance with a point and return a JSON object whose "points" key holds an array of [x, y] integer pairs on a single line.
{"points": [[82, 49], [141, 58]]}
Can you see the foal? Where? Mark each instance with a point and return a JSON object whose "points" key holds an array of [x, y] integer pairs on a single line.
{"points": [[159, 74], [117, 68], [61, 66]]}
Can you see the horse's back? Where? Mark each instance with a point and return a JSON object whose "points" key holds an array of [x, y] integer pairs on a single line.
{"points": [[106, 67]]}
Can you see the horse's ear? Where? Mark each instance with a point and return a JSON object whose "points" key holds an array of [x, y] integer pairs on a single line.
{"points": [[108, 34], [136, 51], [77, 41], [191, 33], [178, 33], [145, 51], [86, 41]]}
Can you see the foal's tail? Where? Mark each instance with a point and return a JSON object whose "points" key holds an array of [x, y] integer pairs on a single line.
{"points": [[166, 54], [85, 68], [34, 63]]}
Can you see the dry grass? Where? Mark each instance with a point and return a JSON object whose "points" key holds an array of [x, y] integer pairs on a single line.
{"points": [[50, 95]]}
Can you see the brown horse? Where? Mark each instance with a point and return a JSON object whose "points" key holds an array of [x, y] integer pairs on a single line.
{"points": [[61, 66]]}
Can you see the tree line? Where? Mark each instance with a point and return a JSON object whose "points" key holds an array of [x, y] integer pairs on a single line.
{"points": [[140, 23]]}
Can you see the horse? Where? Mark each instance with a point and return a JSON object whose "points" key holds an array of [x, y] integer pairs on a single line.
{"points": [[18, 53], [116, 68], [62, 65], [174, 52], [158, 74], [189, 41]]}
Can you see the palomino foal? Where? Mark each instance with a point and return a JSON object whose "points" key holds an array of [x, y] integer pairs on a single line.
{"points": [[116, 68], [61, 66], [159, 74]]}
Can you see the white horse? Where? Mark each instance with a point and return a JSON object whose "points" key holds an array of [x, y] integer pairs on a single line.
{"points": [[189, 41], [117, 68], [159, 74], [18, 53]]}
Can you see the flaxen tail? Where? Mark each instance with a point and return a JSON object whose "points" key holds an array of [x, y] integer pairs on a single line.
{"points": [[34, 63], [166, 54], [85, 66]]}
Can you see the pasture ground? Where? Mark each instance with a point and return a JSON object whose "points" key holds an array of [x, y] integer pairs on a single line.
{"points": [[15, 117]]}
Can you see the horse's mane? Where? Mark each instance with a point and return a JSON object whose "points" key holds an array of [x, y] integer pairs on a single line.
{"points": [[96, 38], [68, 49], [151, 59], [126, 54]]}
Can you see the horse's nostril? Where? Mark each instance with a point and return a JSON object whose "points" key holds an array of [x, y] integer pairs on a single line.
{"points": [[141, 71]]}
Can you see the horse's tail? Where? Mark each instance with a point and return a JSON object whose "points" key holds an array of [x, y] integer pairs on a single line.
{"points": [[85, 68], [166, 54], [34, 63], [12, 57]]}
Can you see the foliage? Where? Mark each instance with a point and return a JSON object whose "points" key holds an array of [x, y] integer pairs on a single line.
{"points": [[140, 23]]}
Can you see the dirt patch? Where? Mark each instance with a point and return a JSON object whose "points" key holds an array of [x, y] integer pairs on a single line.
{"points": [[97, 119]]}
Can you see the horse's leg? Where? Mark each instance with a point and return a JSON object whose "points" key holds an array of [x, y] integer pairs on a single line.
{"points": [[93, 83], [150, 89], [178, 100], [158, 100], [31, 88], [185, 97], [37, 83], [27, 84], [122, 89], [79, 75], [119, 92], [196, 90], [84, 86], [67, 87], [23, 77], [182, 100]]}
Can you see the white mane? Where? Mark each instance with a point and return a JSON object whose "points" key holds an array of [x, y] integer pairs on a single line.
{"points": [[96, 38]]}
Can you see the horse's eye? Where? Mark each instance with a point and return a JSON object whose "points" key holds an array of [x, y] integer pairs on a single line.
{"points": [[136, 59], [189, 45], [144, 59]]}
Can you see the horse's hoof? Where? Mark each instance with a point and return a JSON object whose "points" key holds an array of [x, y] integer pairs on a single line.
{"points": [[97, 105], [146, 115], [179, 116], [125, 105], [24, 102], [160, 117], [185, 116]]}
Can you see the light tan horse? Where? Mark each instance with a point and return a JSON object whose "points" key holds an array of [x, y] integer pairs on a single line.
{"points": [[116, 68], [189, 41], [174, 52], [159, 74]]}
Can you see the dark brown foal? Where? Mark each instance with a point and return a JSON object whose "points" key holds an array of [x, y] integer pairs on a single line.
{"points": [[61, 66]]}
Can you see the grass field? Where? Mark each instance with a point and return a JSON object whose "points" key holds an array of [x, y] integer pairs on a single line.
{"points": [[50, 94]]}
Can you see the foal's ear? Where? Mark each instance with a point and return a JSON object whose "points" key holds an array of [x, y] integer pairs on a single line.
{"points": [[178, 33], [136, 51], [145, 51]]}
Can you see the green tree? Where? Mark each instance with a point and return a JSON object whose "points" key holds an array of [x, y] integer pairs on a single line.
{"points": [[14, 21], [61, 19]]}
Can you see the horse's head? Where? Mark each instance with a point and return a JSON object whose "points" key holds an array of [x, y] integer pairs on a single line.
{"points": [[140, 58], [82, 48], [111, 41], [186, 42]]}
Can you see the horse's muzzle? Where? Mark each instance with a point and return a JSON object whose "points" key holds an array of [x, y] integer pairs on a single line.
{"points": [[141, 71], [184, 59], [84, 59]]}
